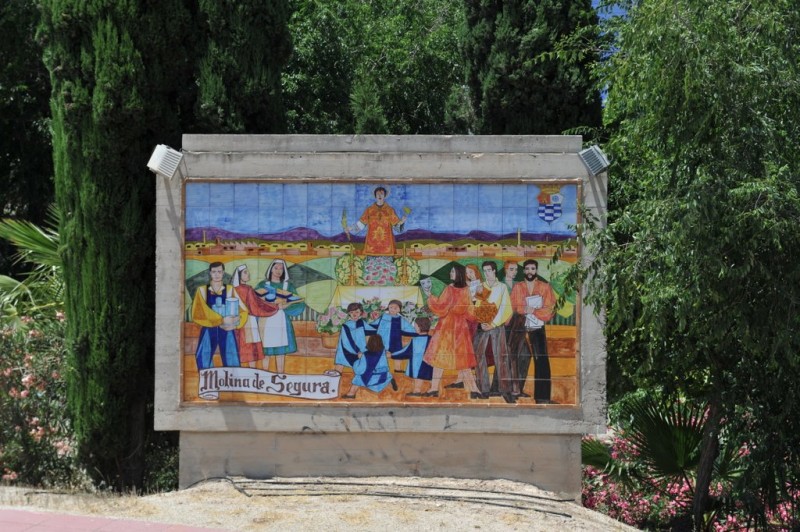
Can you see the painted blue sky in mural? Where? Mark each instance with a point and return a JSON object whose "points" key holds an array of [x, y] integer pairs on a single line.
{"points": [[268, 208]]}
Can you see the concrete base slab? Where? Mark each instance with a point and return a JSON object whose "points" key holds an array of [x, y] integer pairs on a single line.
{"points": [[550, 462]]}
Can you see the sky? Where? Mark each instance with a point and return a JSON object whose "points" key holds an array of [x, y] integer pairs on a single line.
{"points": [[262, 208]]}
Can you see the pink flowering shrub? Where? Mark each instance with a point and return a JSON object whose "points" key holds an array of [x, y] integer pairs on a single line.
{"points": [[627, 490], [36, 443], [635, 499]]}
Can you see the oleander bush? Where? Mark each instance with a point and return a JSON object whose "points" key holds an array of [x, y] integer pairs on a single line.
{"points": [[37, 447], [644, 473]]}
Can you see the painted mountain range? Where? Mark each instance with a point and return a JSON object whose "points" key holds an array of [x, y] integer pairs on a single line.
{"points": [[301, 234]]}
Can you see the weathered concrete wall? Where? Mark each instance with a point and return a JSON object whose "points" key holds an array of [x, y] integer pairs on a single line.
{"points": [[537, 445], [547, 461]]}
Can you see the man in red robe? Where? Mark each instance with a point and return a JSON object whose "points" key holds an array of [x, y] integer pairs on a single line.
{"points": [[379, 219]]}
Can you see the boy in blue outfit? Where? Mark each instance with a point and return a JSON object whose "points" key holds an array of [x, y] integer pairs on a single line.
{"points": [[352, 339], [391, 327], [417, 369], [371, 370]]}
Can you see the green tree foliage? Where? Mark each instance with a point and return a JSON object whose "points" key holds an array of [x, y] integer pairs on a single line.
{"points": [[118, 74], [367, 111], [697, 266], [26, 167], [319, 76], [240, 68], [517, 86], [408, 50]]}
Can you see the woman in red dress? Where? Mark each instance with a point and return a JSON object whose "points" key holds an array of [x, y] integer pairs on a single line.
{"points": [[248, 338], [451, 344]]}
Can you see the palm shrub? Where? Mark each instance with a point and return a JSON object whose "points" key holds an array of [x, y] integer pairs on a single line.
{"points": [[646, 474], [36, 443], [40, 292]]}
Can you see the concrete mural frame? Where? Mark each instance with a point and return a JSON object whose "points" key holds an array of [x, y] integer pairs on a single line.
{"points": [[536, 445]]}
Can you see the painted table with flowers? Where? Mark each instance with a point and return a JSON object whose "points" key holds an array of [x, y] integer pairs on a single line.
{"points": [[373, 282], [385, 278], [344, 295]]}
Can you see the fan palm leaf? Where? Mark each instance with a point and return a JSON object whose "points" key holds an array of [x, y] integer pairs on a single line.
{"points": [[667, 435], [597, 454], [728, 466], [43, 287], [36, 245]]}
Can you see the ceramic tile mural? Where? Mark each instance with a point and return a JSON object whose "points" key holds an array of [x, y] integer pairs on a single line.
{"points": [[376, 293]]}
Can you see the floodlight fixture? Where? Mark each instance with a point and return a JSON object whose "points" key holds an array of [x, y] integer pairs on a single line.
{"points": [[165, 160], [594, 159]]}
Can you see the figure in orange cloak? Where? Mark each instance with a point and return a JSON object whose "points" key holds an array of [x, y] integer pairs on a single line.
{"points": [[451, 344], [380, 220]]}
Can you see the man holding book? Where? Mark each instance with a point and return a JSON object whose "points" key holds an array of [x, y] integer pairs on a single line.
{"points": [[533, 301]]}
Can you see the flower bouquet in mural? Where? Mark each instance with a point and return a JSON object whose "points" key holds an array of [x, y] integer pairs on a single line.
{"points": [[329, 324], [378, 271], [373, 309], [411, 312]]}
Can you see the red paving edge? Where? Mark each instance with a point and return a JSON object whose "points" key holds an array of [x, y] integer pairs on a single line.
{"points": [[13, 520]]}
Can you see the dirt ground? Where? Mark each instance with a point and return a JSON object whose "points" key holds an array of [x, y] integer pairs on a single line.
{"points": [[334, 504]]}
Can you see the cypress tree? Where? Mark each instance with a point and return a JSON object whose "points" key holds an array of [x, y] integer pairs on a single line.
{"points": [[240, 68], [118, 71], [516, 89]]}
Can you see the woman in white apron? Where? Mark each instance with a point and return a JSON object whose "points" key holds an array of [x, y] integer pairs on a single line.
{"points": [[277, 332]]}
